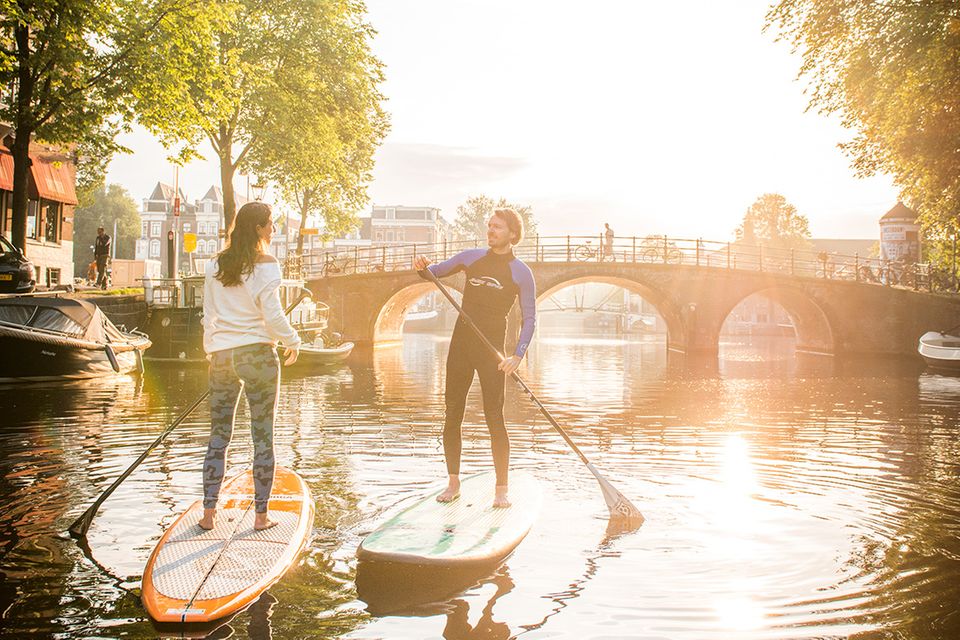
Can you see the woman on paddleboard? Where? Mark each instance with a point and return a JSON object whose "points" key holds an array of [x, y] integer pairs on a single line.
{"points": [[242, 322], [495, 279]]}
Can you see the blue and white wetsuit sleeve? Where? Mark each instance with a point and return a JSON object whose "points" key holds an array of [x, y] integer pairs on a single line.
{"points": [[457, 263], [528, 304]]}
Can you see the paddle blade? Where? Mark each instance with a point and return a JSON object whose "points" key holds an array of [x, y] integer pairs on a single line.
{"points": [[621, 509], [81, 525]]}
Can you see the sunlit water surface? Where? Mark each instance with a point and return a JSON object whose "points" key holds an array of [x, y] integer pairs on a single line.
{"points": [[784, 498]]}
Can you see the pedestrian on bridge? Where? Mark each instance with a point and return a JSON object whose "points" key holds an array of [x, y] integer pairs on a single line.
{"points": [[495, 278], [608, 242]]}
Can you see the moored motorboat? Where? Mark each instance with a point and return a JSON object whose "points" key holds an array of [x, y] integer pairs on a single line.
{"points": [[51, 338], [316, 354], [941, 351]]}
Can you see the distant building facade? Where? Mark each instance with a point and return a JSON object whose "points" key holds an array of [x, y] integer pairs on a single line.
{"points": [[52, 198], [203, 218], [404, 225], [900, 235]]}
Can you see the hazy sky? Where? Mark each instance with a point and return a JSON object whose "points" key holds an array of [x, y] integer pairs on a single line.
{"points": [[656, 117]]}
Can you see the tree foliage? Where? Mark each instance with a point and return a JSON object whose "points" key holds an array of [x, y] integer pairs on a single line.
{"points": [[283, 88], [108, 204], [891, 71], [66, 64], [472, 216], [773, 222]]}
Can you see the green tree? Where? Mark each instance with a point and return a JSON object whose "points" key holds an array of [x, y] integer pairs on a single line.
{"points": [[107, 205], [891, 71], [773, 222], [264, 81], [472, 216], [66, 63]]}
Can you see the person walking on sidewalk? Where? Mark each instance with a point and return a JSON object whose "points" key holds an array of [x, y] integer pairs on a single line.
{"points": [[101, 253]]}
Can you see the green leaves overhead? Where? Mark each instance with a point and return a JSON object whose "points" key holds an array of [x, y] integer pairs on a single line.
{"points": [[283, 88], [891, 71], [472, 216], [64, 67], [771, 221]]}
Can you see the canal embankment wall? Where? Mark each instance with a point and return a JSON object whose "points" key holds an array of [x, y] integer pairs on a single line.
{"points": [[129, 310]]}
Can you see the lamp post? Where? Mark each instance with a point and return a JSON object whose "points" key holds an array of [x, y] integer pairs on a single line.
{"points": [[258, 190]]}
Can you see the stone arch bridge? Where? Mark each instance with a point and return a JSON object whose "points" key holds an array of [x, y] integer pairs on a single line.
{"points": [[694, 291]]}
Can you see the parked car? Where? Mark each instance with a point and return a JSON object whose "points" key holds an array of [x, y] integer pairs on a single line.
{"points": [[17, 274]]}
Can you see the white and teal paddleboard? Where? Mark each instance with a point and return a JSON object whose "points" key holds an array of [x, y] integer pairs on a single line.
{"points": [[468, 531]]}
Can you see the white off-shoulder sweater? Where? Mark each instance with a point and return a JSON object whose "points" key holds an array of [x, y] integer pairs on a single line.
{"points": [[249, 313]]}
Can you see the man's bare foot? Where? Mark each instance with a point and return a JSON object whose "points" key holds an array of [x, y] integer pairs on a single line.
{"points": [[261, 522], [500, 499], [452, 492], [206, 522]]}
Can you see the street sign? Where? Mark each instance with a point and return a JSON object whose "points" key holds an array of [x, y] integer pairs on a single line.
{"points": [[310, 232], [189, 242], [176, 207]]}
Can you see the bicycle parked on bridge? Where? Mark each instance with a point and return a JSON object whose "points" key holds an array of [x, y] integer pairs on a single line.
{"points": [[588, 252], [333, 266], [670, 254]]}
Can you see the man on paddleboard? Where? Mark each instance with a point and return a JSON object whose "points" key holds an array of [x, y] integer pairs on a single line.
{"points": [[495, 279]]}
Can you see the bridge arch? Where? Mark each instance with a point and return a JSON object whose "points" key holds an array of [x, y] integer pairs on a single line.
{"points": [[653, 294], [388, 323], [814, 331]]}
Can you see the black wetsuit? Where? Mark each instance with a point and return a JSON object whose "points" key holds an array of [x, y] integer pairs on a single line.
{"points": [[494, 282]]}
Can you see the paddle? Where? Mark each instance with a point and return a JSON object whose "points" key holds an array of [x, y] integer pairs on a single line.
{"points": [[621, 509], [81, 525]]}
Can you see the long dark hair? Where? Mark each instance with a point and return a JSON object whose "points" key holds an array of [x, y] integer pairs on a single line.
{"points": [[245, 244]]}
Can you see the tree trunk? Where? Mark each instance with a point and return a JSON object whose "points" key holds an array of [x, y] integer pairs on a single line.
{"points": [[21, 181], [226, 183], [21, 144], [304, 208]]}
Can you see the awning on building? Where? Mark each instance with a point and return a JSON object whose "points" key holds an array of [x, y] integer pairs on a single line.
{"points": [[54, 179], [6, 171]]}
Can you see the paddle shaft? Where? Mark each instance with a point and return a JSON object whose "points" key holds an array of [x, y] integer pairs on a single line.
{"points": [[514, 375], [81, 525]]}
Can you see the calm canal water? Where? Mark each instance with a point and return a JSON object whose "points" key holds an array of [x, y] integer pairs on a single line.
{"points": [[784, 499]]}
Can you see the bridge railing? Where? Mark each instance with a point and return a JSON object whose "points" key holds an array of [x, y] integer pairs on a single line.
{"points": [[653, 250]]}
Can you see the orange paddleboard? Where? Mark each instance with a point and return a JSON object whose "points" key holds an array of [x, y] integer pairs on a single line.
{"points": [[200, 576]]}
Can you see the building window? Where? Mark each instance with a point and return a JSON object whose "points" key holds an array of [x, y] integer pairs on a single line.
{"points": [[51, 216], [33, 209], [154, 248], [154, 229], [143, 229], [202, 228], [186, 227], [53, 277]]}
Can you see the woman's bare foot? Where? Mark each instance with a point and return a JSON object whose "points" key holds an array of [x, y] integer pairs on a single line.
{"points": [[261, 522], [452, 492], [206, 522], [500, 499]]}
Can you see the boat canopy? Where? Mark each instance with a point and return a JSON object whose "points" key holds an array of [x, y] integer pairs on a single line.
{"points": [[65, 316]]}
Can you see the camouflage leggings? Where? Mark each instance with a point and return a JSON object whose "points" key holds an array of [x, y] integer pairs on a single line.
{"points": [[254, 368]]}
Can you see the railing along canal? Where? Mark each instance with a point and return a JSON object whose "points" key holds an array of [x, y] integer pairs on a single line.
{"points": [[652, 250]]}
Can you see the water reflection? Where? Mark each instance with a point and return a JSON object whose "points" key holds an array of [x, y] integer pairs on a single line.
{"points": [[784, 497]]}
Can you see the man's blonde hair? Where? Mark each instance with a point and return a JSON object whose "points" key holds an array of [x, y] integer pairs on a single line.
{"points": [[514, 223]]}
